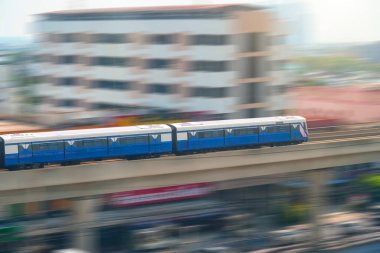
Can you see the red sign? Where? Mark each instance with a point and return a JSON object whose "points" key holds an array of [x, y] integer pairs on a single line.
{"points": [[157, 195]]}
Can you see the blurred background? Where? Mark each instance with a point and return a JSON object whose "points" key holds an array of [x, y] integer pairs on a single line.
{"points": [[88, 64]]}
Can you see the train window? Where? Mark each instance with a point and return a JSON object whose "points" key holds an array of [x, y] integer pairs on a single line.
{"points": [[210, 134], [142, 139], [270, 129], [133, 140], [47, 146], [38, 147], [283, 128], [245, 131], [278, 129], [126, 140], [94, 143]]}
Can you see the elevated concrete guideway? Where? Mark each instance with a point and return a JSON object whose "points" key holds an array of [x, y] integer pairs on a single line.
{"points": [[113, 176]]}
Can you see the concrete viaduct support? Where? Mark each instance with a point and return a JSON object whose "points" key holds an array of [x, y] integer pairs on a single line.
{"points": [[317, 195], [83, 215]]}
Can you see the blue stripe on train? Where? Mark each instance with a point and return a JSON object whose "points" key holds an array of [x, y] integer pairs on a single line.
{"points": [[75, 154], [233, 141], [265, 137], [205, 143], [11, 159], [194, 144]]}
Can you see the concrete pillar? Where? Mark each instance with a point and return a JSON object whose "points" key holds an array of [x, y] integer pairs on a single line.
{"points": [[83, 217], [4, 212], [318, 201], [4, 207]]}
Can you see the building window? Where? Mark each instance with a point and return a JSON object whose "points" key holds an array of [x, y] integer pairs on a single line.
{"points": [[67, 81], [210, 92], [67, 59], [107, 106], [67, 103], [110, 85], [111, 61], [39, 79], [143, 15], [161, 88], [162, 38], [159, 63], [39, 57], [209, 40], [110, 38], [68, 37], [210, 66]]}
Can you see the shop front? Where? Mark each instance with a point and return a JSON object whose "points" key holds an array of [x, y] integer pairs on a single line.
{"points": [[160, 218]]}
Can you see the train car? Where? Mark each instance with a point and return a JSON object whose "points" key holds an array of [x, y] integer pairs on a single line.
{"points": [[31, 149], [73, 146], [225, 134]]}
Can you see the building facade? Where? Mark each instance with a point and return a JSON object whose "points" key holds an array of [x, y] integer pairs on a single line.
{"points": [[210, 58]]}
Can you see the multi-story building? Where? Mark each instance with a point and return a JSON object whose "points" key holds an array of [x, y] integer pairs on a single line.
{"points": [[9, 97], [210, 58]]}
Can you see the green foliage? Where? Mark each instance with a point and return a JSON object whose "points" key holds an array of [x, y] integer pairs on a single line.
{"points": [[370, 184], [371, 180], [293, 213], [10, 234], [310, 82]]}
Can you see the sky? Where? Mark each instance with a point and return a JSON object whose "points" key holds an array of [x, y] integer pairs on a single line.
{"points": [[330, 21]]}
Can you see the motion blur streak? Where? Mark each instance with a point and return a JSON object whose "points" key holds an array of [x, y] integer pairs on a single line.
{"points": [[158, 126]]}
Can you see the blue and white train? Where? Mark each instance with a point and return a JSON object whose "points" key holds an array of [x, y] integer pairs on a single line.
{"points": [[73, 146]]}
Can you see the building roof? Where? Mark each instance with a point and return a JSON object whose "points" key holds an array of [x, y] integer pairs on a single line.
{"points": [[7, 127], [152, 8]]}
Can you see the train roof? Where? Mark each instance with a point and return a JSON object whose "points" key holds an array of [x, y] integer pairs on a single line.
{"points": [[238, 122], [84, 133]]}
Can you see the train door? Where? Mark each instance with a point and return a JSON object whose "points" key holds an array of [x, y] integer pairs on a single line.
{"points": [[192, 140], [295, 132], [229, 139], [114, 148], [72, 149], [264, 135], [154, 143], [281, 133], [275, 133], [207, 139], [242, 136], [182, 140], [25, 153]]}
